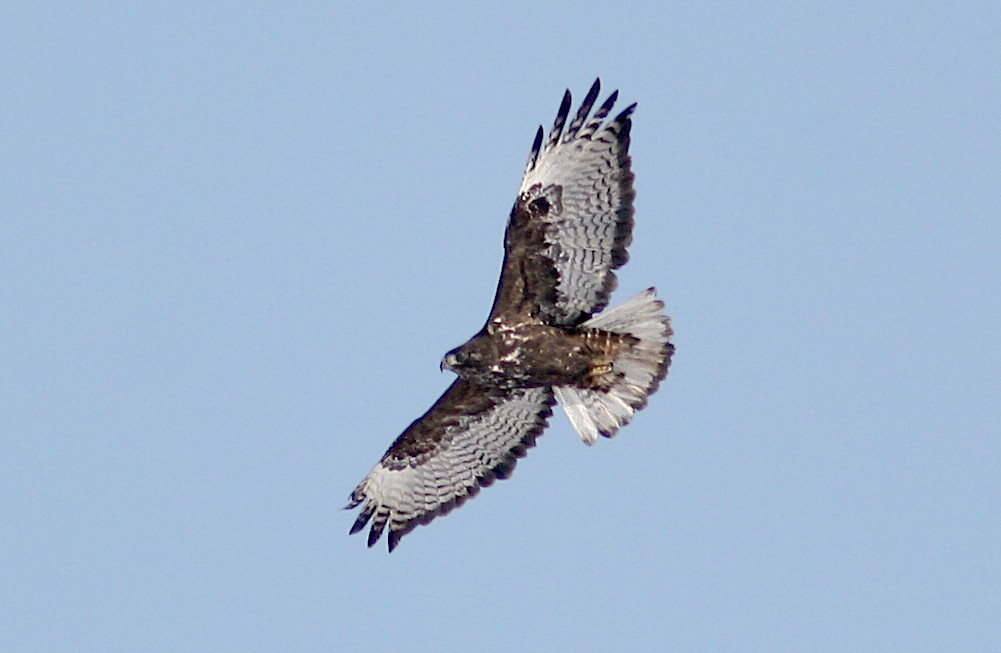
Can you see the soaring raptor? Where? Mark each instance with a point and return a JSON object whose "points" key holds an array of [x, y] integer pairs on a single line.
{"points": [[545, 339]]}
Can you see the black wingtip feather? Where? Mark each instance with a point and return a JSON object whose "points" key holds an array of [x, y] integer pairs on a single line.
{"points": [[625, 113], [376, 532], [363, 517], [607, 105], [585, 109], [358, 525], [561, 119], [536, 148]]}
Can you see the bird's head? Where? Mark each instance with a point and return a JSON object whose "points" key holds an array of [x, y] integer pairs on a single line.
{"points": [[455, 360], [473, 361]]}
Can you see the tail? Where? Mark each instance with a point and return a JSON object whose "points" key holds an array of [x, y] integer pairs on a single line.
{"points": [[636, 372]]}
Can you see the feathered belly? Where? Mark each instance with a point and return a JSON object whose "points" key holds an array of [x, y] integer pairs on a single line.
{"points": [[552, 356]]}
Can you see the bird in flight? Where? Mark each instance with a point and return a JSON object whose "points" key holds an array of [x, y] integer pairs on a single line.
{"points": [[546, 338]]}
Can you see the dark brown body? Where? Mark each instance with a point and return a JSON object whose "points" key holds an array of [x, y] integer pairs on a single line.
{"points": [[536, 355]]}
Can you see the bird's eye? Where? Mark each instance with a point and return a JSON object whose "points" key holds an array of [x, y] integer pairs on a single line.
{"points": [[461, 357]]}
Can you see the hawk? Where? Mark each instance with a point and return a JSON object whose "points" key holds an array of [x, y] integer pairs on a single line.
{"points": [[545, 340]]}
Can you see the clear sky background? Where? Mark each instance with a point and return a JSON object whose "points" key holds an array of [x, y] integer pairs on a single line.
{"points": [[236, 241]]}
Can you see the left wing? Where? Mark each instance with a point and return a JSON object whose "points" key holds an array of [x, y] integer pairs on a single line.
{"points": [[471, 436], [572, 221]]}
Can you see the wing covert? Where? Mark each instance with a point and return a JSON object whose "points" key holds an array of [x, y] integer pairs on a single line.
{"points": [[470, 437]]}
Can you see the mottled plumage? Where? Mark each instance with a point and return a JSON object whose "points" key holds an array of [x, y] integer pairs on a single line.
{"points": [[544, 340]]}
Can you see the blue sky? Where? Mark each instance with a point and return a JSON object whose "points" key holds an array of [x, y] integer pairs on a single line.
{"points": [[236, 241]]}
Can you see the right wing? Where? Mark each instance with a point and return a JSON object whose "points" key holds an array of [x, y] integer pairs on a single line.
{"points": [[471, 436]]}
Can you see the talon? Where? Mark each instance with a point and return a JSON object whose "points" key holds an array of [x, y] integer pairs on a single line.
{"points": [[599, 370]]}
